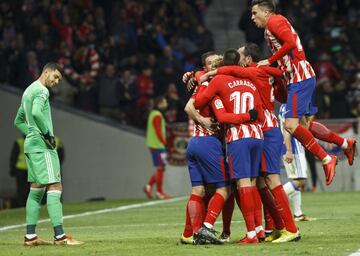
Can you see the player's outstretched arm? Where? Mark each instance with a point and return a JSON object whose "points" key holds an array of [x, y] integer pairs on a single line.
{"points": [[20, 121]]}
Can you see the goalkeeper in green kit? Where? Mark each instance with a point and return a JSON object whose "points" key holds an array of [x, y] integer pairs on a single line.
{"points": [[33, 119]]}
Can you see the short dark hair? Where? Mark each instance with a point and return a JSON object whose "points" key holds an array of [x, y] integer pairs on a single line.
{"points": [[253, 50], [268, 4], [205, 55], [231, 57], [53, 66], [158, 100]]}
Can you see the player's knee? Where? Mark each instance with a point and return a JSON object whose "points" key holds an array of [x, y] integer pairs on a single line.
{"points": [[290, 126], [299, 183], [198, 190], [223, 191], [55, 186]]}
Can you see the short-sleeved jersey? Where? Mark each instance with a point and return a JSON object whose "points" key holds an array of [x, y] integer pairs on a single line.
{"points": [[238, 96], [293, 63], [263, 78], [35, 94]]}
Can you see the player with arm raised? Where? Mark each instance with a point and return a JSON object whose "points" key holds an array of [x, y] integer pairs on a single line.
{"points": [[244, 141], [34, 120], [301, 81]]}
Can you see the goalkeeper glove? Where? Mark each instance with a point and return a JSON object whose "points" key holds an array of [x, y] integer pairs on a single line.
{"points": [[49, 140], [253, 115]]}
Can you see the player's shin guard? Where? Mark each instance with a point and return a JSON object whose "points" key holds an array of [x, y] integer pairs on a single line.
{"points": [[283, 207], [247, 207], [196, 212], [33, 209], [188, 228], [159, 178], [257, 207], [55, 211], [308, 141], [269, 203], [215, 205], [269, 223], [227, 213], [321, 132]]}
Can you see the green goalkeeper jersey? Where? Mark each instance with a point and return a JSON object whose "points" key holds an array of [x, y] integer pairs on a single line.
{"points": [[34, 117]]}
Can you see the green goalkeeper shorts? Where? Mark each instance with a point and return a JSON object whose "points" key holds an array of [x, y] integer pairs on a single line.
{"points": [[43, 167]]}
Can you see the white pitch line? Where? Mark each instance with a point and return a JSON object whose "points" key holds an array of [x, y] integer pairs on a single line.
{"points": [[117, 209], [355, 253]]}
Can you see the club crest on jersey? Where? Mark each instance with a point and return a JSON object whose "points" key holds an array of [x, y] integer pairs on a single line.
{"points": [[218, 104], [242, 83]]}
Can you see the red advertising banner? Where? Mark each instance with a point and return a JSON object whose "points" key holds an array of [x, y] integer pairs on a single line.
{"points": [[178, 137]]}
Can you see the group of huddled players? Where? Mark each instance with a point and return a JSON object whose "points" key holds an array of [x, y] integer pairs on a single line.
{"points": [[234, 98]]}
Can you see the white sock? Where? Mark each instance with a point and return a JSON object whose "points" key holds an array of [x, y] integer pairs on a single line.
{"points": [[251, 234], [345, 144], [296, 202], [208, 225], [326, 160], [60, 236], [258, 229], [289, 188], [30, 236]]}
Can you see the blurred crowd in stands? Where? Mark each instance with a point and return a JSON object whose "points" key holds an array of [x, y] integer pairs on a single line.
{"points": [[330, 34], [119, 55]]}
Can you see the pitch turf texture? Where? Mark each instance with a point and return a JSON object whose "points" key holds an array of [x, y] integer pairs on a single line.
{"points": [[156, 229]]}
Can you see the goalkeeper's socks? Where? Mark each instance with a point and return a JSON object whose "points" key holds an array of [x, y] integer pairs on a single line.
{"points": [[257, 207], [227, 213], [283, 207], [215, 205], [196, 211], [188, 228], [33, 209], [54, 208]]}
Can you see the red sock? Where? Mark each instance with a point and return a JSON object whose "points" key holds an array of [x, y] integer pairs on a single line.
{"points": [[227, 213], [215, 206], [269, 223], [237, 198], [321, 132], [195, 208], [268, 201], [283, 207], [188, 228], [159, 178], [152, 179], [257, 205], [247, 207], [308, 141]]}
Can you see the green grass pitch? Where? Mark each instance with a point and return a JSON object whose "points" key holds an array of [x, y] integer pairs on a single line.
{"points": [[156, 229]]}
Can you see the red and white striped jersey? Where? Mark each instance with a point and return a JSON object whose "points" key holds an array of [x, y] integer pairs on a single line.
{"points": [[207, 111], [287, 50], [263, 78], [238, 95]]}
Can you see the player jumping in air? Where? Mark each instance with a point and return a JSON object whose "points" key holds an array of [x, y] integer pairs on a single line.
{"points": [[301, 81]]}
